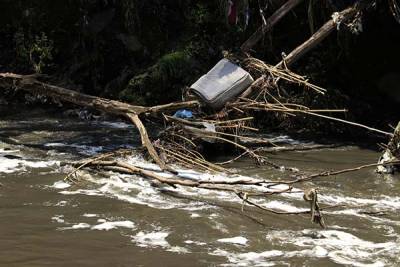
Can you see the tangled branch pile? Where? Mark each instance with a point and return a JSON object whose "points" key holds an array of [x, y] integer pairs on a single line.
{"points": [[181, 141]]}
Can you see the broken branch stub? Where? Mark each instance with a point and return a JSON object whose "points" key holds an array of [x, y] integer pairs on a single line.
{"points": [[145, 140]]}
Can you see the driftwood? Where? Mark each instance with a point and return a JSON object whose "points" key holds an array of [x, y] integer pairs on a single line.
{"points": [[179, 141], [281, 71], [302, 49], [244, 188], [318, 36], [30, 84], [145, 140], [297, 148]]}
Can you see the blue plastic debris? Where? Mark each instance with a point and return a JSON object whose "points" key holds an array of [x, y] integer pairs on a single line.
{"points": [[183, 114]]}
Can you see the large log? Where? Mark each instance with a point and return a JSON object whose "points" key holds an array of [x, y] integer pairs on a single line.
{"points": [[305, 47], [30, 84], [318, 36]]}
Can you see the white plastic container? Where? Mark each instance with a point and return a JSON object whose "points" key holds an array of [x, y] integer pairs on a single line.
{"points": [[222, 83]]}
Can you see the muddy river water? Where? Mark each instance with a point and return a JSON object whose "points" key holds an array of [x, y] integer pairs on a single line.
{"points": [[111, 219]]}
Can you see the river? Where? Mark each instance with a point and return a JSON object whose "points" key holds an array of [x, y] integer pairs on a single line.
{"points": [[110, 219]]}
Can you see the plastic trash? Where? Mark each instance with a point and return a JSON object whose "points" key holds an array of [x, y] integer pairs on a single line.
{"points": [[183, 114], [221, 84]]}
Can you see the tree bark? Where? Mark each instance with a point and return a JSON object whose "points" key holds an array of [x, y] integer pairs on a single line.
{"points": [[317, 37], [30, 84], [145, 140], [305, 47]]}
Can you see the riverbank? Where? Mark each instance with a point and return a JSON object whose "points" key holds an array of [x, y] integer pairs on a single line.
{"points": [[106, 49]]}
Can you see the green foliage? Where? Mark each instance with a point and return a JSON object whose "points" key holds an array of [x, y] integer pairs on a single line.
{"points": [[161, 82], [172, 65], [200, 14], [35, 52], [40, 53]]}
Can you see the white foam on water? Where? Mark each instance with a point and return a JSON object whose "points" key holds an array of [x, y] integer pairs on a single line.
{"points": [[20, 165], [239, 240], [82, 149], [61, 203], [5, 151], [89, 215], [61, 185], [76, 226], [9, 165], [249, 258], [384, 202], [179, 250], [339, 246], [41, 164], [336, 244], [135, 189], [285, 139], [113, 225], [88, 150], [140, 162], [282, 206], [151, 239], [138, 190], [189, 242], [58, 218], [359, 213], [219, 226], [317, 251], [88, 192]]}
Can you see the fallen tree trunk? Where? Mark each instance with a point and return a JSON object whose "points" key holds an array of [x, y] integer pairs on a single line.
{"points": [[305, 47], [30, 84], [318, 36]]}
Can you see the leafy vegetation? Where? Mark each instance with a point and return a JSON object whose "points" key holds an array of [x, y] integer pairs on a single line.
{"points": [[34, 53]]}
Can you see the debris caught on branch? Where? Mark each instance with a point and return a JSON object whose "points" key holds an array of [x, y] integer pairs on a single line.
{"points": [[391, 154], [311, 196], [181, 140]]}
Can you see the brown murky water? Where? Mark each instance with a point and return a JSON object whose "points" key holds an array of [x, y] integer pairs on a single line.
{"points": [[121, 220]]}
